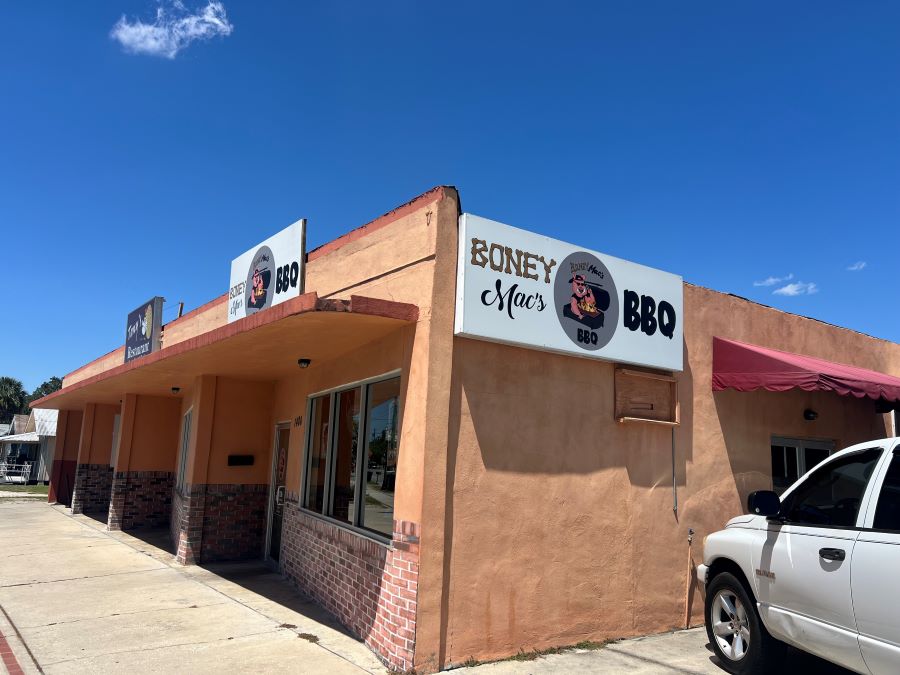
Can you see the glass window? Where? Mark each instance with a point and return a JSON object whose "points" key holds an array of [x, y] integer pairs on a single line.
{"points": [[832, 494], [382, 443], [887, 513], [784, 467], [185, 447], [793, 457], [319, 423], [352, 468], [346, 432], [812, 456]]}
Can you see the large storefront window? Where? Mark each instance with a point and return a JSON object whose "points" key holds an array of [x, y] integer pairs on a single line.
{"points": [[382, 444], [320, 424], [352, 464], [346, 440]]}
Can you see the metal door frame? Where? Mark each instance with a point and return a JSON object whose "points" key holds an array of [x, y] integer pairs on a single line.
{"points": [[270, 511]]}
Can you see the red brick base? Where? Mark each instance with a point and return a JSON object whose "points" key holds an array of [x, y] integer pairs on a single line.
{"points": [[212, 523], [140, 499], [371, 588], [93, 483]]}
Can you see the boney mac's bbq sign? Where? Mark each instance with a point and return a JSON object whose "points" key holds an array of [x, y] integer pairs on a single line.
{"points": [[269, 273], [524, 289]]}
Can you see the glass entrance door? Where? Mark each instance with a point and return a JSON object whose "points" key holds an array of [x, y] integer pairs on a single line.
{"points": [[279, 469]]}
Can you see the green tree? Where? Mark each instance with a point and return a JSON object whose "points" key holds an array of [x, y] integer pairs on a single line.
{"points": [[13, 399], [48, 387]]}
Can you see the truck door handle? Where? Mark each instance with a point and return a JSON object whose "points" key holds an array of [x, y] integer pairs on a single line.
{"points": [[834, 554]]}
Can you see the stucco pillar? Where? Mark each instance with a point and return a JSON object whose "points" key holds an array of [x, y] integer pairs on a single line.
{"points": [[219, 510], [189, 499], [141, 492], [438, 468], [93, 474], [62, 474]]}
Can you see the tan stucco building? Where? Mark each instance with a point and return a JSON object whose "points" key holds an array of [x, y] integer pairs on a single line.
{"points": [[446, 498]]}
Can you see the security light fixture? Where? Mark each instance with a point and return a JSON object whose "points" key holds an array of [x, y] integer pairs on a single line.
{"points": [[810, 415], [304, 363]]}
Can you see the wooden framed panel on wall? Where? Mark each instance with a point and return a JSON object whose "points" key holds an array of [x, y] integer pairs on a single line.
{"points": [[646, 397]]}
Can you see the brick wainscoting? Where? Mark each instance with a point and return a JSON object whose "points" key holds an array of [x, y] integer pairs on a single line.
{"points": [[93, 483], [213, 523], [140, 499], [371, 588]]}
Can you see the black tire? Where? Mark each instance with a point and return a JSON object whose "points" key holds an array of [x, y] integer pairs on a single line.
{"points": [[762, 653]]}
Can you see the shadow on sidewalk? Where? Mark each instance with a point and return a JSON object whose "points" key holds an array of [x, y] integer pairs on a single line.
{"points": [[258, 577]]}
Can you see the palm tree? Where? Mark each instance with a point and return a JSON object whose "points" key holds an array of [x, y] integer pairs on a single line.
{"points": [[13, 399]]}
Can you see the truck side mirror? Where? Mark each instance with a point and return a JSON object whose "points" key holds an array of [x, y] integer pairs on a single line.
{"points": [[763, 503]]}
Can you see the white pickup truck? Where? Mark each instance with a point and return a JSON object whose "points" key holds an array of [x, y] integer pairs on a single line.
{"points": [[818, 568]]}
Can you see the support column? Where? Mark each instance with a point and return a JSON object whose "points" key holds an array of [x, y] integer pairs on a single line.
{"points": [[141, 492], [93, 475], [65, 457], [219, 513], [189, 499]]}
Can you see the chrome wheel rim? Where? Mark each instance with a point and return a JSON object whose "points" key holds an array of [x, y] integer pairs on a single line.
{"points": [[730, 625]]}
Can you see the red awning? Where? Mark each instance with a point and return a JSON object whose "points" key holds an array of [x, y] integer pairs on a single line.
{"points": [[745, 367]]}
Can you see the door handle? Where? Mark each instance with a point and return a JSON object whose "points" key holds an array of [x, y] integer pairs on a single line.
{"points": [[833, 554], [279, 496]]}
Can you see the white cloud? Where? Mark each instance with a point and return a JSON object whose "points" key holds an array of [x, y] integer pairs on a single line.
{"points": [[771, 281], [797, 288], [174, 28], [857, 266]]}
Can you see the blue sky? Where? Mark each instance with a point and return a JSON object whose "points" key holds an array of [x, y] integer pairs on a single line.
{"points": [[726, 142]]}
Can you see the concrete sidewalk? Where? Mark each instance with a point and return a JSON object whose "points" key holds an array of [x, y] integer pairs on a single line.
{"points": [[75, 598], [78, 599]]}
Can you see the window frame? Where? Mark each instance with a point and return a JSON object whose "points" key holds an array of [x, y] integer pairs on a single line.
{"points": [[799, 445], [333, 395], [187, 423], [875, 485], [865, 513]]}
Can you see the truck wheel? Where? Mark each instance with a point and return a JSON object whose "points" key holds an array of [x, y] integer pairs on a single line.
{"points": [[741, 642]]}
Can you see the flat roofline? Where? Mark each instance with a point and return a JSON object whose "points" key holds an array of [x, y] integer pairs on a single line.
{"points": [[308, 302], [784, 311], [434, 194]]}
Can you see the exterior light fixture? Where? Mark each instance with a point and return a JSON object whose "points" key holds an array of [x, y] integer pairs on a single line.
{"points": [[175, 390], [810, 415], [304, 363]]}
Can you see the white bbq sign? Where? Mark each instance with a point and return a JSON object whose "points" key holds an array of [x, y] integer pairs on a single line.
{"points": [[524, 289], [269, 273]]}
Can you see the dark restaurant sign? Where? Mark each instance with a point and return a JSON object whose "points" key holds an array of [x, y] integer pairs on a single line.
{"points": [[143, 329]]}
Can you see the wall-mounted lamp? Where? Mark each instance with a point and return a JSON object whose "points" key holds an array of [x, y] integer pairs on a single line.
{"points": [[304, 363], [810, 415], [175, 390]]}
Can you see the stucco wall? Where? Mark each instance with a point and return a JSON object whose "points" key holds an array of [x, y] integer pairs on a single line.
{"points": [[241, 426], [95, 367], [560, 520], [150, 431], [97, 434], [200, 320]]}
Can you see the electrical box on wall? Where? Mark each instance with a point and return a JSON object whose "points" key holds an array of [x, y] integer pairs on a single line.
{"points": [[646, 397], [240, 460]]}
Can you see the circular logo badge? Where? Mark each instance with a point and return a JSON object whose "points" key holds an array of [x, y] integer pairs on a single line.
{"points": [[586, 301], [258, 294]]}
